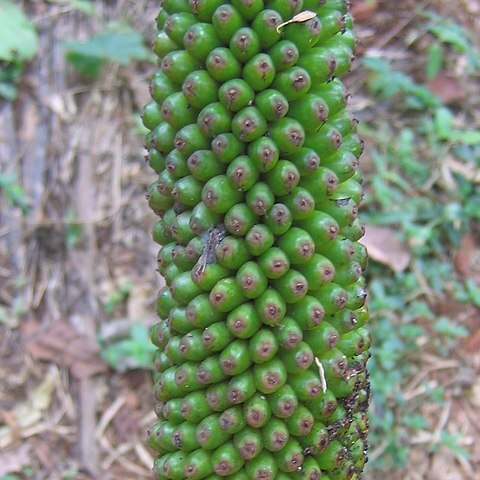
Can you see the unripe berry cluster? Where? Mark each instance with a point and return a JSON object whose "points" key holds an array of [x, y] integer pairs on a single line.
{"points": [[262, 344]]}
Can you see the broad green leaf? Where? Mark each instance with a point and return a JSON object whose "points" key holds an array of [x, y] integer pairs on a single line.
{"points": [[120, 47], [434, 60], [18, 37], [443, 122]]}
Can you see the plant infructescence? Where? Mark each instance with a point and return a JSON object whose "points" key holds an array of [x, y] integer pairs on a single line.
{"points": [[262, 344]]}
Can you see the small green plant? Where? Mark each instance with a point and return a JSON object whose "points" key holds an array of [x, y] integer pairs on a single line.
{"points": [[18, 44], [117, 297], [431, 218], [135, 351]]}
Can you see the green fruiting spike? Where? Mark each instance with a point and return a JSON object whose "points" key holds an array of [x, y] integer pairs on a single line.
{"points": [[161, 18], [203, 9], [332, 22], [323, 408], [286, 8], [174, 465], [199, 89], [159, 233], [306, 384], [288, 134], [226, 295], [227, 20], [248, 443], [309, 471], [318, 271], [283, 178], [187, 191], [183, 288], [258, 191]]}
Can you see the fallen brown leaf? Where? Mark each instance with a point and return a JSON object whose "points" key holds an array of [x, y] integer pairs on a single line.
{"points": [[463, 257], [62, 344], [446, 88], [384, 247]]}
